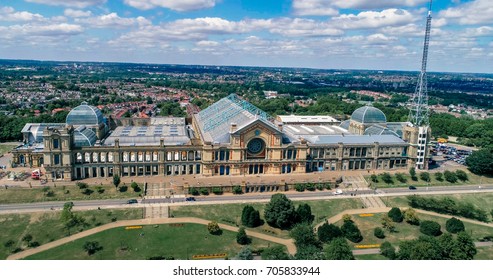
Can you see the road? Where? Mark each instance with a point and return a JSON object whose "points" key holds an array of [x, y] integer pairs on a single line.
{"points": [[257, 197]]}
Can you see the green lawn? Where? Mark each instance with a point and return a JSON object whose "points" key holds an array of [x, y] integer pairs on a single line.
{"points": [[231, 213], [481, 200], [46, 227], [180, 242], [4, 148], [61, 193], [484, 253], [406, 231], [373, 257], [473, 180]]}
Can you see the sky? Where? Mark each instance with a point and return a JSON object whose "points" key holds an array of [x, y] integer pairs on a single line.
{"points": [[327, 34]]}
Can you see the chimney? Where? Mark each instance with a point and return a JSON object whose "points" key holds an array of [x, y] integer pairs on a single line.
{"points": [[233, 128], [279, 126]]}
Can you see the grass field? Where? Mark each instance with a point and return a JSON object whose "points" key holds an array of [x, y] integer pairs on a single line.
{"points": [[179, 242], [46, 227], [484, 253], [373, 257], [61, 193], [406, 231], [231, 213], [4, 148], [473, 180], [481, 200]]}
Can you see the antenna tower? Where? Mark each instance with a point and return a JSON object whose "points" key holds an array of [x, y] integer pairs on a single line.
{"points": [[419, 113]]}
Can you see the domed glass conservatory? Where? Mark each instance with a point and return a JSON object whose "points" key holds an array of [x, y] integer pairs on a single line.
{"points": [[368, 114], [85, 115]]}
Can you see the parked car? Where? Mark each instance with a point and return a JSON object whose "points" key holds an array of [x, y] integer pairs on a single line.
{"points": [[132, 201], [337, 192], [412, 187], [190, 199]]}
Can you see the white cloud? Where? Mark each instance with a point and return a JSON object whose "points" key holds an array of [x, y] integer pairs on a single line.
{"points": [[27, 31], [177, 5], [76, 13], [314, 8], [9, 14], [479, 32], [301, 27], [112, 20], [370, 19], [70, 3], [474, 12], [205, 43], [331, 7]]}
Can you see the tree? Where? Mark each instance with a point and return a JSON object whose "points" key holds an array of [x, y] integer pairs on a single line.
{"points": [[116, 180], [387, 178], [374, 178], [450, 176], [328, 232], [447, 244], [245, 254], [237, 190], [299, 187], [92, 247], [412, 173], [27, 238], [400, 177], [214, 228], [9, 244], [338, 249], [277, 252], [481, 162], [378, 232], [411, 217], [461, 175], [454, 225], [464, 248], [425, 176], [423, 248], [387, 250], [351, 231], [439, 176], [395, 214], [309, 252], [303, 235], [280, 212], [242, 238], [304, 213], [388, 224], [250, 217], [135, 187], [430, 228]]}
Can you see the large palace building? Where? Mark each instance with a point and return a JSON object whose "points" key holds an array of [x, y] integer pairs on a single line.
{"points": [[231, 137]]}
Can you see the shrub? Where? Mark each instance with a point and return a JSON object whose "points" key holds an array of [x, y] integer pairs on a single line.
{"points": [[217, 190], [92, 247], [379, 233], [193, 191], [400, 177], [461, 175], [374, 178], [310, 187], [388, 224], [450, 176], [204, 191], [299, 187], [387, 250], [425, 176], [214, 228], [454, 225], [89, 191], [430, 228], [81, 185], [135, 187], [412, 173], [100, 189], [237, 190], [123, 188], [250, 217], [396, 215], [439, 176], [387, 178], [346, 218]]}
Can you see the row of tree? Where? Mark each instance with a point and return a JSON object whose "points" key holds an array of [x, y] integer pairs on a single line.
{"points": [[447, 205]]}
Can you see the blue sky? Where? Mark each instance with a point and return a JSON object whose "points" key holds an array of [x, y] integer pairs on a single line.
{"points": [[330, 34]]}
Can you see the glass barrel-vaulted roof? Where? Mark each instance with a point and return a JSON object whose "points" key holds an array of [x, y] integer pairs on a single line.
{"points": [[368, 114], [379, 130], [84, 137], [85, 114]]}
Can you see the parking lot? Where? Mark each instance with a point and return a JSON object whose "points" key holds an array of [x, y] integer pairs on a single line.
{"points": [[449, 154]]}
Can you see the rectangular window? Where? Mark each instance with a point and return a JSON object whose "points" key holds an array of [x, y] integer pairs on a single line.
{"points": [[56, 143], [56, 159]]}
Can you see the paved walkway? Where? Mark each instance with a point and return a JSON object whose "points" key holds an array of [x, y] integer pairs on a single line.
{"points": [[289, 243]]}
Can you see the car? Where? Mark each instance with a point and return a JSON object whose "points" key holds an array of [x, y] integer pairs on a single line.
{"points": [[337, 192], [132, 201], [190, 199], [412, 187]]}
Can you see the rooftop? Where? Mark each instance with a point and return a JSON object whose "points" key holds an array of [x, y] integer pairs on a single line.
{"points": [[307, 119], [355, 139]]}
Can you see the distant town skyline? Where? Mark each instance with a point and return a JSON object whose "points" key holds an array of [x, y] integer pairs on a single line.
{"points": [[327, 34]]}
